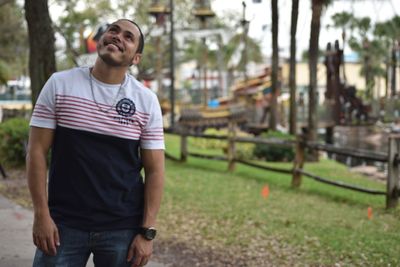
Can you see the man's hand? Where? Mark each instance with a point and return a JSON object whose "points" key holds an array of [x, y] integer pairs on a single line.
{"points": [[140, 251], [45, 234]]}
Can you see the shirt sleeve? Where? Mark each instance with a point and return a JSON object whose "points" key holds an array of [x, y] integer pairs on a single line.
{"points": [[44, 115], [153, 133]]}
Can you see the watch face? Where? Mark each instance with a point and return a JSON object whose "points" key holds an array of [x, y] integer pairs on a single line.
{"points": [[150, 233]]}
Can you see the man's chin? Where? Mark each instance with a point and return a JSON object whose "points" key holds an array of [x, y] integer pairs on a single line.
{"points": [[109, 60]]}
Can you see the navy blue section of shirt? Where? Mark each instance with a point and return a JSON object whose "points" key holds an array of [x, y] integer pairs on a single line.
{"points": [[94, 181]]}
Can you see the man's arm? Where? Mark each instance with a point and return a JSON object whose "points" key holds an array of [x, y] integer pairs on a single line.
{"points": [[153, 163], [45, 233]]}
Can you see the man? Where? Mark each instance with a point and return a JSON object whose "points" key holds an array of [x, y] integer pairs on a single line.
{"points": [[103, 126]]}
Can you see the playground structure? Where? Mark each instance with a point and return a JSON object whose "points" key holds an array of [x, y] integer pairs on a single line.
{"points": [[249, 102], [248, 106]]}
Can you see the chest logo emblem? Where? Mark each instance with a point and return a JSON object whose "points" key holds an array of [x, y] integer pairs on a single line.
{"points": [[125, 107]]}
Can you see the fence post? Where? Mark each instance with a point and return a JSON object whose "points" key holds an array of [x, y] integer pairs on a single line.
{"points": [[393, 181], [184, 151], [231, 145], [298, 161]]}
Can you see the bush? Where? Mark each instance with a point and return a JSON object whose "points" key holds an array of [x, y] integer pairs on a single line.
{"points": [[203, 143], [275, 152], [242, 150], [13, 138]]}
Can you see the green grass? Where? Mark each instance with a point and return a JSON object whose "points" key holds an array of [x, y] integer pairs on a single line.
{"points": [[316, 224]]}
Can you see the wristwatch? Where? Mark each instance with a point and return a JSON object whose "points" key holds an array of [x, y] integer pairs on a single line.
{"points": [[148, 233]]}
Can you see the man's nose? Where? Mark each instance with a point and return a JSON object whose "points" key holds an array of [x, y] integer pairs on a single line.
{"points": [[116, 37]]}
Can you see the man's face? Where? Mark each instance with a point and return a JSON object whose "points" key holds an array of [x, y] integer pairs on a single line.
{"points": [[118, 45]]}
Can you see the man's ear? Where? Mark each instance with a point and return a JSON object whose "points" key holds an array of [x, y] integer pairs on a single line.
{"points": [[136, 59]]}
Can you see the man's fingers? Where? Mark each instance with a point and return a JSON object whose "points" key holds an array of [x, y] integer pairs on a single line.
{"points": [[43, 245], [56, 237], [144, 261], [137, 260], [51, 246], [131, 254], [137, 257]]}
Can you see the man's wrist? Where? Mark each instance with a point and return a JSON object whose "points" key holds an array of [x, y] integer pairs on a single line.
{"points": [[149, 233], [41, 212]]}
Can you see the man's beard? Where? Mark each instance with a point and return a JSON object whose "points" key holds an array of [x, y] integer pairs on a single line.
{"points": [[109, 60]]}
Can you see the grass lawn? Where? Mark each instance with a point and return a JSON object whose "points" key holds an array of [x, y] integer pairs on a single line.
{"points": [[317, 224]]}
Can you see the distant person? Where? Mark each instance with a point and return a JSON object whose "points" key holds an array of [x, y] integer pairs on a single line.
{"points": [[103, 126]]}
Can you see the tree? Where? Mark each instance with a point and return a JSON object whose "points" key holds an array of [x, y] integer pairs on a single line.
{"points": [[388, 35], [13, 39], [79, 16], [292, 73], [363, 45], [253, 52], [275, 65], [370, 50], [317, 7], [343, 20], [41, 43]]}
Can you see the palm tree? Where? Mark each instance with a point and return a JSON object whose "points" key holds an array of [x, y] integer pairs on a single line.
{"points": [[292, 73], [317, 7], [388, 34], [343, 20], [364, 45]]}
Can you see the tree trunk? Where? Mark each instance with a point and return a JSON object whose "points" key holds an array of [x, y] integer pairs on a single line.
{"points": [[394, 64], [387, 69], [41, 43], [221, 70], [275, 65], [342, 59], [292, 73], [317, 6]]}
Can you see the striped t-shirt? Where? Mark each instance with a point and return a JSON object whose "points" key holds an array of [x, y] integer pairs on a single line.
{"points": [[94, 176]]}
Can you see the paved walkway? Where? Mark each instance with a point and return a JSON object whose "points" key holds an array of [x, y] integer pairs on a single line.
{"points": [[16, 247]]}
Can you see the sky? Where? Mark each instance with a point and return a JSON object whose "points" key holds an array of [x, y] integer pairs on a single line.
{"points": [[259, 14]]}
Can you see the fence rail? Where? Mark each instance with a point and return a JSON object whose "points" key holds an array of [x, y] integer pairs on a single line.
{"points": [[392, 159], [340, 184], [264, 167], [357, 153]]}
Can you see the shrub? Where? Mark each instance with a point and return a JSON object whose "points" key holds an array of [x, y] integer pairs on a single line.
{"points": [[242, 151], [203, 143], [275, 152], [13, 138]]}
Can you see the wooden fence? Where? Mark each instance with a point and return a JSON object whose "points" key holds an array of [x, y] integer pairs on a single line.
{"points": [[392, 192]]}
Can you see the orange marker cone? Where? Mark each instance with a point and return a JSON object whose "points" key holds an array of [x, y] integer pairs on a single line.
{"points": [[369, 213], [265, 191]]}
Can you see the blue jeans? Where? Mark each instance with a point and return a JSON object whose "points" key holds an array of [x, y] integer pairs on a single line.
{"points": [[109, 248]]}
